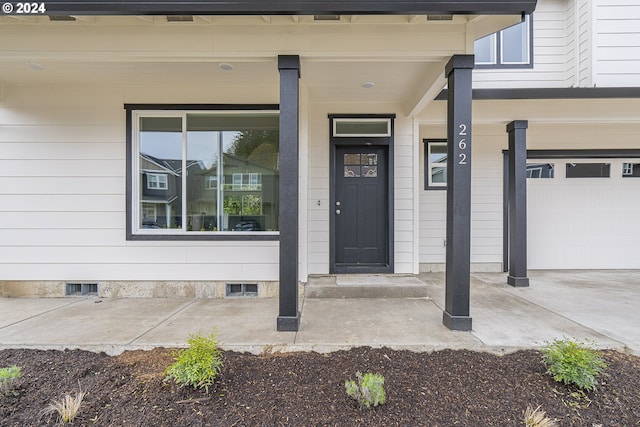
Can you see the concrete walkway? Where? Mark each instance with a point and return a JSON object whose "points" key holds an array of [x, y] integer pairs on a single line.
{"points": [[601, 306]]}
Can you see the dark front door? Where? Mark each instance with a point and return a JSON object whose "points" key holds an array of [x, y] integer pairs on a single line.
{"points": [[361, 209]]}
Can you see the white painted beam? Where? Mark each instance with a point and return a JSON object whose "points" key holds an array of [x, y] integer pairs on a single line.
{"points": [[434, 81]]}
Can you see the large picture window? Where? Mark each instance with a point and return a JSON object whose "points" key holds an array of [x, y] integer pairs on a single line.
{"points": [[205, 172], [509, 48]]}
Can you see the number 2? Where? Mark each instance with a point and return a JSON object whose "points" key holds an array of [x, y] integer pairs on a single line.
{"points": [[463, 159]]}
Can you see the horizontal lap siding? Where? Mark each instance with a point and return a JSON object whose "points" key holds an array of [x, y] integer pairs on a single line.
{"points": [[486, 200], [617, 43], [319, 192], [62, 196], [549, 53], [405, 227], [487, 166]]}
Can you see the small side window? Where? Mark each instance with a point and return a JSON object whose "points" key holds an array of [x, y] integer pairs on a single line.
{"points": [[588, 170], [435, 161]]}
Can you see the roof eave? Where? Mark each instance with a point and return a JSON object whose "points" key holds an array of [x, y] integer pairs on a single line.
{"points": [[289, 7]]}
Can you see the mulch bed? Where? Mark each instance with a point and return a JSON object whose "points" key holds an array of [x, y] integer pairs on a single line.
{"points": [[444, 388]]}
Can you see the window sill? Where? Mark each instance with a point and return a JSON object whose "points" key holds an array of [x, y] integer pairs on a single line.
{"points": [[203, 236]]}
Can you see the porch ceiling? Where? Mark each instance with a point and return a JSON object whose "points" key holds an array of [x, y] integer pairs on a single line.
{"points": [[403, 56]]}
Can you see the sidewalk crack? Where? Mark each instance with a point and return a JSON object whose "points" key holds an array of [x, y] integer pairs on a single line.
{"points": [[166, 319]]}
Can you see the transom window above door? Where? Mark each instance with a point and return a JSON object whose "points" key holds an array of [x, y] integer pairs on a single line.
{"points": [[361, 127], [199, 173]]}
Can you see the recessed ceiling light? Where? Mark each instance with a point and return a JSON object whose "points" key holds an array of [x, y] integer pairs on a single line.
{"points": [[35, 66], [368, 85], [226, 66]]}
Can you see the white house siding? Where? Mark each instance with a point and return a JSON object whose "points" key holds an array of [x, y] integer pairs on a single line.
{"points": [[614, 229], [318, 190], [549, 53], [486, 202], [577, 43], [584, 41], [617, 43], [62, 193]]}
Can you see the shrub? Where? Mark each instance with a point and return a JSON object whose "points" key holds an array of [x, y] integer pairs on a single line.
{"points": [[199, 364], [572, 362], [537, 418], [9, 379], [368, 389], [67, 408]]}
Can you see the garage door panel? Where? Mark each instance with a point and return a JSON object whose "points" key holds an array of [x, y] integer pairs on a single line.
{"points": [[583, 223]]}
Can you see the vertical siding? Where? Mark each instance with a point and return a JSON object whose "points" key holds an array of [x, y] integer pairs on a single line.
{"points": [[62, 196], [571, 42], [617, 43], [585, 43]]}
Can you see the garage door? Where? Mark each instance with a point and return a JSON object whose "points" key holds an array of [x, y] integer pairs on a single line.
{"points": [[583, 213]]}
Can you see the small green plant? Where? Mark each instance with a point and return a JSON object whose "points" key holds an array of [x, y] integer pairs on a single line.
{"points": [[368, 389], [199, 364], [8, 380], [538, 418], [573, 362], [67, 408]]}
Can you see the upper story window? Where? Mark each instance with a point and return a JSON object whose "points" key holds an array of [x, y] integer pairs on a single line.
{"points": [[509, 48], [156, 181], [247, 181], [204, 172]]}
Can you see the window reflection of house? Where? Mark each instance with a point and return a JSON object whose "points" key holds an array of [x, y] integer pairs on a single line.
{"points": [[161, 186], [540, 170], [160, 182], [249, 195]]}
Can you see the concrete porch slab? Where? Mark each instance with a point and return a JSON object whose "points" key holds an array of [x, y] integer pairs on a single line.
{"points": [[90, 322], [243, 324], [18, 309], [399, 323]]}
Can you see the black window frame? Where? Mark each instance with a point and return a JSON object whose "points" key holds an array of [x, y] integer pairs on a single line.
{"points": [[499, 64], [130, 158]]}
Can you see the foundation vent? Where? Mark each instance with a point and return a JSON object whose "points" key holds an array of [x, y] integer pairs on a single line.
{"points": [[81, 289], [242, 290]]}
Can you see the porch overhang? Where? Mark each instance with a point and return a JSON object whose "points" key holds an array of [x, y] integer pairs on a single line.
{"points": [[287, 7]]}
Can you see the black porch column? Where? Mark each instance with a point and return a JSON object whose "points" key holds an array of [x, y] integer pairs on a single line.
{"points": [[517, 130], [289, 67], [456, 314]]}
